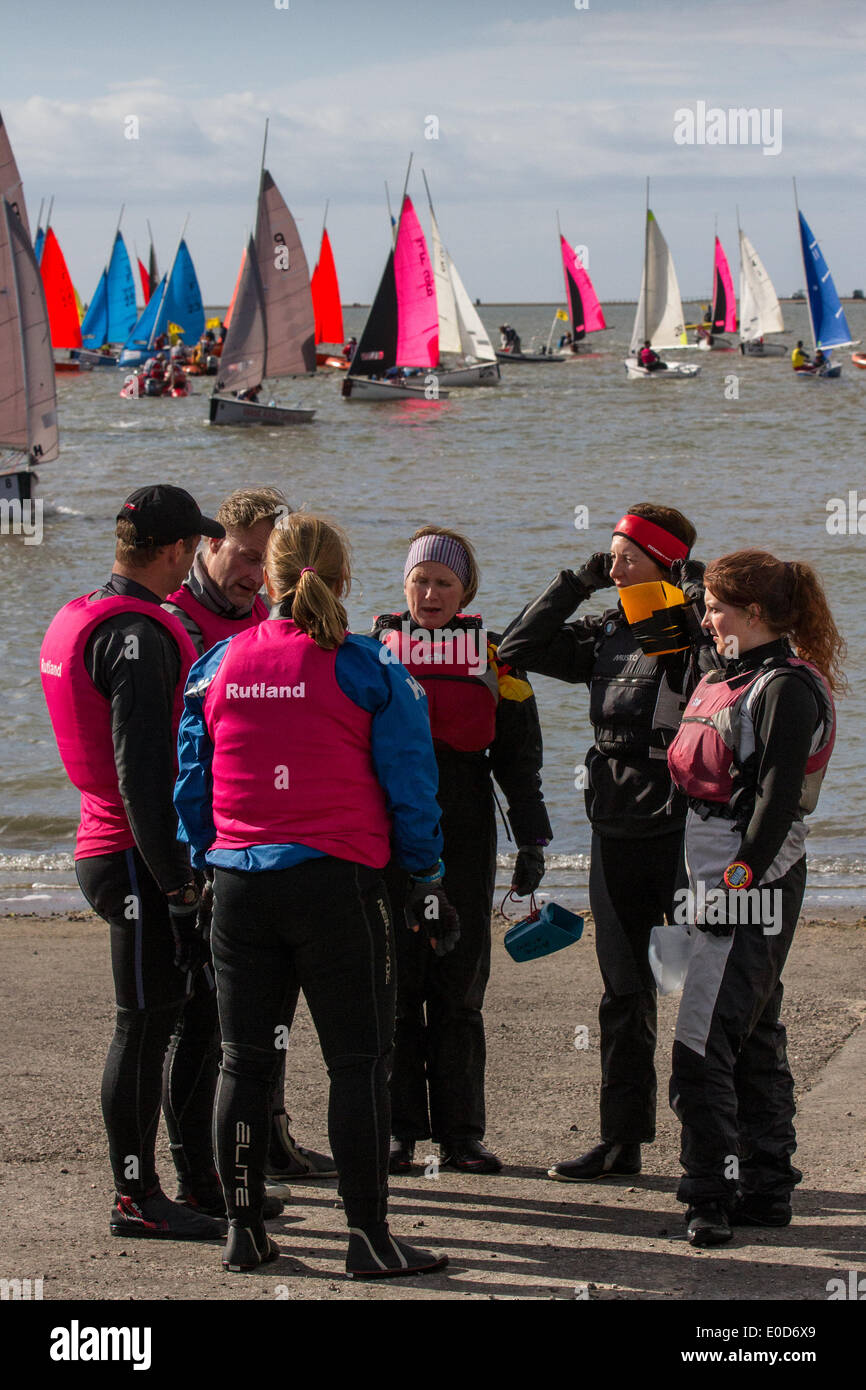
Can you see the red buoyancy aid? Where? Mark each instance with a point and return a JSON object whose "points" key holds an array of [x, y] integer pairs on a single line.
{"points": [[708, 741], [215, 627], [81, 715], [462, 688], [292, 762]]}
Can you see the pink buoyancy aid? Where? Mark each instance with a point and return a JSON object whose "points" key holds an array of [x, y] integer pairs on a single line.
{"points": [[81, 715], [292, 762], [708, 742], [461, 686], [215, 627]]}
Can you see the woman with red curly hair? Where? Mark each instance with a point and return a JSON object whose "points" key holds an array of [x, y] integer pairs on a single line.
{"points": [[750, 754]]}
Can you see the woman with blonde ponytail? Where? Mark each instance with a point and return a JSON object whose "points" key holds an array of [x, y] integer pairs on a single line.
{"points": [[750, 754], [303, 758]]}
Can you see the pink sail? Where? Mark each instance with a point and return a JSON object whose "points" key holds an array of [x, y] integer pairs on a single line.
{"points": [[417, 314], [583, 305], [724, 301]]}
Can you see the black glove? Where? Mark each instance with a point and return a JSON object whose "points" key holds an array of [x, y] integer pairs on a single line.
{"points": [[595, 574], [189, 947], [528, 870], [205, 910], [688, 575], [428, 909]]}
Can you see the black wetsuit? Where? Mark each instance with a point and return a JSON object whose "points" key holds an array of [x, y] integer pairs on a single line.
{"points": [[637, 819], [154, 999]]}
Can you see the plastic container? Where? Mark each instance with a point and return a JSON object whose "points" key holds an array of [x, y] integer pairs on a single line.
{"points": [[670, 950], [544, 931]]}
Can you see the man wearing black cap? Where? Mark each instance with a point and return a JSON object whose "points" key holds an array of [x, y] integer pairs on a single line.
{"points": [[113, 669]]}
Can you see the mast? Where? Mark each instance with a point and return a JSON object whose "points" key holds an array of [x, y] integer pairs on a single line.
{"points": [[325, 220], [805, 270], [646, 264], [391, 223]]}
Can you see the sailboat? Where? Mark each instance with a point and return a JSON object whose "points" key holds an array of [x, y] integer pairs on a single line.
{"points": [[28, 394], [327, 308], [176, 301], [60, 299], [402, 329], [111, 313], [826, 316], [585, 314], [659, 316], [723, 314], [466, 357], [760, 312], [272, 329]]}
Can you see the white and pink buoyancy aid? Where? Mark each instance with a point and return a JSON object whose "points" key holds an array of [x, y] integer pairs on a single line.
{"points": [[716, 732], [81, 715], [215, 627], [292, 761]]}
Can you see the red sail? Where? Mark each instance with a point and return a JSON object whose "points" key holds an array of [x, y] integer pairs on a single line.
{"points": [[59, 295], [326, 296], [144, 277]]}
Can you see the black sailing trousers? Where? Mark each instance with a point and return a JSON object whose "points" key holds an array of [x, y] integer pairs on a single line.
{"points": [[731, 1085], [631, 890], [323, 926], [165, 1047]]}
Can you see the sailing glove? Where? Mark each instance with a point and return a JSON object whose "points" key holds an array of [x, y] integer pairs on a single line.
{"points": [[428, 909], [688, 575], [595, 574], [189, 946], [528, 870]]}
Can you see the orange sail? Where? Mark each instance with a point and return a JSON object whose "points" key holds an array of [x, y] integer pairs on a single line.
{"points": [[59, 295], [326, 296], [228, 318]]}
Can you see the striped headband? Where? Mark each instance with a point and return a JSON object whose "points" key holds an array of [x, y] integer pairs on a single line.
{"points": [[445, 551]]}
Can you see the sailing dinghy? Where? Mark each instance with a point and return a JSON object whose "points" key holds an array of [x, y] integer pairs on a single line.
{"points": [[826, 316], [60, 299], [327, 308], [659, 315], [466, 357], [111, 313], [723, 314], [585, 314], [760, 311], [28, 394], [272, 328], [402, 330]]}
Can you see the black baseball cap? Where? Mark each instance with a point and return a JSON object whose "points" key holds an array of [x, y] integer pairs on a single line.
{"points": [[164, 514]]}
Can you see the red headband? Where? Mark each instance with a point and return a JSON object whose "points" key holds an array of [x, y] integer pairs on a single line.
{"points": [[659, 544]]}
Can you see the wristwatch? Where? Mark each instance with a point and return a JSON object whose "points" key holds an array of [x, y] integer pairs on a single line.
{"points": [[185, 896], [737, 875]]}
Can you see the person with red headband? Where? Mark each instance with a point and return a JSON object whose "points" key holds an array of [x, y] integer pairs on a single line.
{"points": [[750, 754], [637, 817]]}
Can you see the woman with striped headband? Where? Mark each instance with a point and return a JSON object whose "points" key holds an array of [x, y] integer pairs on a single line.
{"points": [[484, 723], [637, 817]]}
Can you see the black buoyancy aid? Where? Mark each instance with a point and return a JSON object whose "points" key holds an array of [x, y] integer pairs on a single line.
{"points": [[634, 705], [454, 667]]}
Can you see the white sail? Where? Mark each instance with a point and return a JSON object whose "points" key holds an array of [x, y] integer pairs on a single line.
{"points": [[759, 307], [659, 314], [449, 331], [474, 341]]}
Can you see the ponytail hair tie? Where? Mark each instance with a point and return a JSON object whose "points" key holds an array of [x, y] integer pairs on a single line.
{"points": [[308, 569]]}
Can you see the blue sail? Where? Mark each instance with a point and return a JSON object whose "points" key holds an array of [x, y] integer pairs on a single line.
{"points": [[829, 325], [151, 322], [37, 246], [185, 307], [121, 294], [94, 328]]}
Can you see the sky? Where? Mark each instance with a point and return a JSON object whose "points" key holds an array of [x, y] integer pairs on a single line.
{"points": [[516, 111]]}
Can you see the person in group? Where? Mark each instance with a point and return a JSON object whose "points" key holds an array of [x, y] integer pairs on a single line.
{"points": [[485, 725], [750, 754], [349, 347], [649, 358], [820, 360], [509, 340], [251, 393], [303, 757], [637, 818], [113, 667], [218, 599], [799, 357]]}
